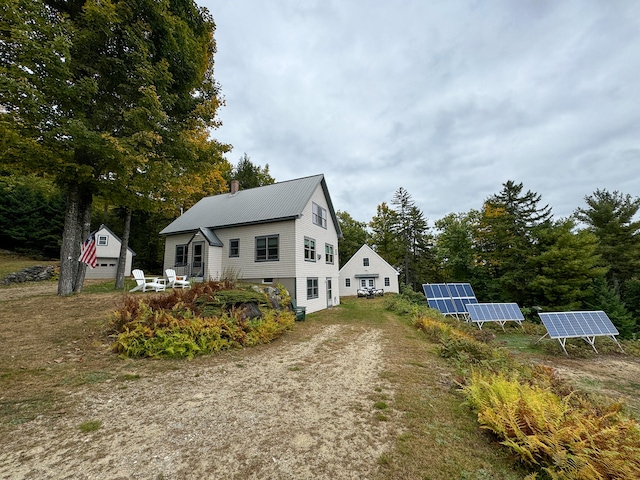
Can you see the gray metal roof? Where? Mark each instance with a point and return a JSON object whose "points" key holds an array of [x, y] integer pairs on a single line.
{"points": [[278, 201]]}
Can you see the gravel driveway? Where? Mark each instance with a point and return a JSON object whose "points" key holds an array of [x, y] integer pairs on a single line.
{"points": [[300, 408]]}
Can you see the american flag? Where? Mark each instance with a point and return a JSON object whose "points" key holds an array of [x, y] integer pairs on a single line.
{"points": [[88, 252]]}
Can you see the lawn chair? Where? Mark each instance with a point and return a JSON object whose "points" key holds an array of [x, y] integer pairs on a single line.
{"points": [[300, 312], [176, 281], [147, 283]]}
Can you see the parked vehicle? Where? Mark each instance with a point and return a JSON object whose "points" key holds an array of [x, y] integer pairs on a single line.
{"points": [[370, 292]]}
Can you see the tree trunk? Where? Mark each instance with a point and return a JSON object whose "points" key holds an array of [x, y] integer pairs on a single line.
{"points": [[122, 259], [76, 219], [69, 251], [84, 223]]}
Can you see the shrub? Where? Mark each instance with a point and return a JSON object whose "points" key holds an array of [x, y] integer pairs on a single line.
{"points": [[181, 324], [567, 436]]}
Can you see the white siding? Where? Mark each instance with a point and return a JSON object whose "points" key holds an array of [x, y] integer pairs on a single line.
{"points": [[318, 269], [290, 269], [108, 257], [378, 269], [170, 248]]}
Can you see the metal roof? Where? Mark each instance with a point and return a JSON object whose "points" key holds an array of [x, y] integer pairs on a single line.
{"points": [[270, 203]]}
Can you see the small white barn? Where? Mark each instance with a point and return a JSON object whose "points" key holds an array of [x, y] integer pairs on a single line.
{"points": [[367, 269], [108, 250]]}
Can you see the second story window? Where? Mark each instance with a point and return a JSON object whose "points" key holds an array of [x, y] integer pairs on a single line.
{"points": [[103, 240], [365, 262], [267, 248], [319, 215], [328, 253], [309, 249]]}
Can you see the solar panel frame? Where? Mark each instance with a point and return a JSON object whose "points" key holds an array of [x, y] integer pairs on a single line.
{"points": [[500, 313], [579, 324]]}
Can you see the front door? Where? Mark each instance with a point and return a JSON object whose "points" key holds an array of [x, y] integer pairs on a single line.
{"points": [[329, 293], [197, 259], [367, 283]]}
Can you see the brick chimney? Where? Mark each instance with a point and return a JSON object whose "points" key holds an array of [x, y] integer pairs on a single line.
{"points": [[235, 186]]}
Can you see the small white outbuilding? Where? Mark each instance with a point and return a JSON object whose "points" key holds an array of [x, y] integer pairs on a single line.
{"points": [[108, 250], [367, 269]]}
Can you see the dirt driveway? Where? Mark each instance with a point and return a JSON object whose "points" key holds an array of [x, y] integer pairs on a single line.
{"points": [[300, 408]]}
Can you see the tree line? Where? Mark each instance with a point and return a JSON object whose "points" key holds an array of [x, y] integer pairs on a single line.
{"points": [[513, 250]]}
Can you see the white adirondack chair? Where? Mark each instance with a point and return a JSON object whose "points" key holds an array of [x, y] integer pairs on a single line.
{"points": [[147, 283], [176, 281]]}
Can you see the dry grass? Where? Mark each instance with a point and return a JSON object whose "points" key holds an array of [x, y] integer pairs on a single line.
{"points": [[439, 436], [407, 420]]}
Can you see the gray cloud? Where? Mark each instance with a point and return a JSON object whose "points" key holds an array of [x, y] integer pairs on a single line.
{"points": [[448, 99]]}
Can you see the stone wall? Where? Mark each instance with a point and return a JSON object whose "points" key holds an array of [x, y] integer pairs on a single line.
{"points": [[36, 273]]}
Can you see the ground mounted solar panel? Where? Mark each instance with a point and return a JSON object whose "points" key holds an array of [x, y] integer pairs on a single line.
{"points": [[439, 298], [500, 313], [450, 298], [586, 325]]}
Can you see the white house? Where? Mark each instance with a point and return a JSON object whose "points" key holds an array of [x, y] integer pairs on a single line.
{"points": [[283, 233], [367, 269], [107, 251]]}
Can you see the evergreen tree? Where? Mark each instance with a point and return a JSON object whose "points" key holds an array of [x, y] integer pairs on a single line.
{"points": [[354, 236], [411, 231], [250, 175], [506, 236], [566, 268], [610, 216], [383, 237], [607, 300]]}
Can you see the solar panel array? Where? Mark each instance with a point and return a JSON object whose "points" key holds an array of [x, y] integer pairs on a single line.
{"points": [[495, 312], [449, 298], [586, 325]]}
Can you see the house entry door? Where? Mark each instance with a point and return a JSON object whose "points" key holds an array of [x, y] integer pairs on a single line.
{"points": [[329, 293], [197, 259], [367, 283]]}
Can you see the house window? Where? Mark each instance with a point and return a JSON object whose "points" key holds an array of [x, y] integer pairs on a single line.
{"points": [[267, 248], [181, 255], [103, 240], [309, 249], [365, 262], [234, 247], [312, 288], [319, 215], [387, 282], [347, 282], [328, 253]]}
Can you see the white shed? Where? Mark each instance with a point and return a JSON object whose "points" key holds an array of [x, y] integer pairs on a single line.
{"points": [[367, 269], [108, 250]]}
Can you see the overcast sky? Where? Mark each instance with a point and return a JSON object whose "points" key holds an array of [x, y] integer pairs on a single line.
{"points": [[448, 99]]}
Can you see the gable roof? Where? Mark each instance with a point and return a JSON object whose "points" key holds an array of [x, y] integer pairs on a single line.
{"points": [[367, 250], [270, 203], [104, 227]]}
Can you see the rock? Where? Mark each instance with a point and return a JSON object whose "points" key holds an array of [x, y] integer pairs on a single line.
{"points": [[37, 273]]}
